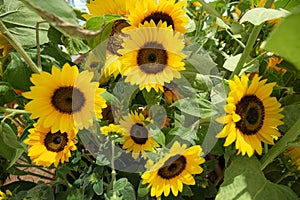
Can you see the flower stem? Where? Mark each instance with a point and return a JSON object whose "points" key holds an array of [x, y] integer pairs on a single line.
{"points": [[15, 111], [281, 145], [251, 41], [10, 38], [211, 10]]}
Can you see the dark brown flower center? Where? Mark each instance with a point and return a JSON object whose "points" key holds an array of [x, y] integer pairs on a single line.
{"points": [[68, 100], [159, 16], [139, 133], [56, 142], [152, 58], [173, 167], [116, 36], [252, 112]]}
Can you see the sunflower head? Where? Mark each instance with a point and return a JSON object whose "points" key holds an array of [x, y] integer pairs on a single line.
{"points": [[165, 11], [151, 56], [137, 138], [252, 115], [65, 99], [112, 130], [173, 170], [48, 148]]}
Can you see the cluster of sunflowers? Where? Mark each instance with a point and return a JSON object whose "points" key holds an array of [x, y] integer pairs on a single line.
{"points": [[140, 100]]}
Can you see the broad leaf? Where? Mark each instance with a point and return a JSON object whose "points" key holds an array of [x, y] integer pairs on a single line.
{"points": [[282, 39], [21, 22], [61, 16], [245, 180], [17, 73], [258, 16], [197, 107]]}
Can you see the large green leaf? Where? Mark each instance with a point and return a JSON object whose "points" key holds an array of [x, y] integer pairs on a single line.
{"points": [[21, 22], [7, 93], [59, 14], [284, 40], [198, 107], [17, 73], [258, 16], [245, 180]]}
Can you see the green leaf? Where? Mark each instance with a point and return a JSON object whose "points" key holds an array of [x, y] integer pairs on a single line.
{"points": [[198, 107], [98, 187], [231, 62], [41, 191], [101, 22], [290, 119], [17, 73], [243, 179], [184, 133], [59, 14], [9, 137], [283, 40], [7, 93], [221, 23], [21, 22], [75, 46], [287, 5], [258, 16], [125, 188]]}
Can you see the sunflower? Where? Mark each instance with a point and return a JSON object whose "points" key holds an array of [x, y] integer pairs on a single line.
{"points": [[294, 154], [111, 129], [137, 138], [5, 195], [48, 147], [65, 99], [252, 115], [151, 56], [102, 7], [164, 11], [173, 170]]}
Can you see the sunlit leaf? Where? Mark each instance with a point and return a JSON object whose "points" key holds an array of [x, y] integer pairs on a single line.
{"points": [[245, 180], [258, 16], [283, 40]]}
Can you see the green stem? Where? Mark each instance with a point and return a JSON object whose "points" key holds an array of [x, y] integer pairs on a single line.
{"points": [[15, 111], [281, 145], [237, 40], [113, 171], [250, 43], [285, 175], [10, 38], [211, 10]]}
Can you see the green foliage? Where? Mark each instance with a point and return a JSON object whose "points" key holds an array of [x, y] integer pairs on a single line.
{"points": [[286, 46], [258, 16], [244, 180]]}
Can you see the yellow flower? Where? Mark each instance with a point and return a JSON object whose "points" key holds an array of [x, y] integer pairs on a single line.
{"points": [[151, 56], [197, 4], [294, 154], [252, 115], [111, 129], [4, 196], [173, 170], [65, 99], [48, 147], [167, 11], [102, 7], [137, 138]]}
